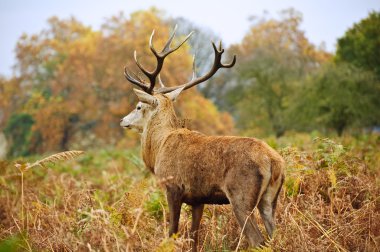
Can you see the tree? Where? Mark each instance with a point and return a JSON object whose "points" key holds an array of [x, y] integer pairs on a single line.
{"points": [[274, 57], [73, 84], [18, 131], [177, 69], [200, 44], [360, 44], [12, 97], [56, 65], [339, 96], [215, 88]]}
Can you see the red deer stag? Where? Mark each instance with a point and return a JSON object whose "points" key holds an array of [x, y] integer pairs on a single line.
{"points": [[243, 171]]}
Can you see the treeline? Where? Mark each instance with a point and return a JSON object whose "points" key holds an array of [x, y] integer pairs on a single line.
{"points": [[68, 89], [284, 83]]}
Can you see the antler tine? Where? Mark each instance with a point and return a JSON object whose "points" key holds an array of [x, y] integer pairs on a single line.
{"points": [[216, 66], [194, 72], [180, 44], [160, 57], [138, 83], [167, 50], [147, 73], [160, 81], [220, 45], [168, 43], [151, 44], [218, 57]]}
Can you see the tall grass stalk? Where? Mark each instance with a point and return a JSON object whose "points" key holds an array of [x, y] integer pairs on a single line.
{"points": [[52, 159]]}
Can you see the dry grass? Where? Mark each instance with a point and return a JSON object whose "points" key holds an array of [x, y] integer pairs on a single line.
{"points": [[106, 201]]}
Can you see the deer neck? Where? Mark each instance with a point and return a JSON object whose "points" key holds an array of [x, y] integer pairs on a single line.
{"points": [[158, 127]]}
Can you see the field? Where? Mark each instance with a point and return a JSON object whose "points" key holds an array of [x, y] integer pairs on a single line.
{"points": [[105, 200]]}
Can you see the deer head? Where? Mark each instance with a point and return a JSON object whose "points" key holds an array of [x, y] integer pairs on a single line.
{"points": [[147, 105], [149, 96]]}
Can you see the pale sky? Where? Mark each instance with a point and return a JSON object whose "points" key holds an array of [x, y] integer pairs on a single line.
{"points": [[324, 20]]}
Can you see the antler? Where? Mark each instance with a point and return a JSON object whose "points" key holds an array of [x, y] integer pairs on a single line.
{"points": [[196, 80], [152, 75], [160, 60]]}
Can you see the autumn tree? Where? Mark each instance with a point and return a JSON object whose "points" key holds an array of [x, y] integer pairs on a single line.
{"points": [[15, 123], [202, 114], [273, 59], [12, 97], [56, 66], [73, 79]]}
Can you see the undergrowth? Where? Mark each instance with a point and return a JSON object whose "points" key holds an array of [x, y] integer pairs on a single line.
{"points": [[106, 201]]}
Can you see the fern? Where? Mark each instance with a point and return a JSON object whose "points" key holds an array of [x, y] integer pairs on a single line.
{"points": [[52, 159]]}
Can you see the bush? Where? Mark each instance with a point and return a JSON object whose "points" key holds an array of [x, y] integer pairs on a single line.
{"points": [[18, 131]]}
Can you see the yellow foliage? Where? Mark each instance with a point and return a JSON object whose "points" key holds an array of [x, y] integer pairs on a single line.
{"points": [[203, 115], [75, 83]]}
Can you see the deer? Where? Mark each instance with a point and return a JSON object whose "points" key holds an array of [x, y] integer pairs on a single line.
{"points": [[199, 169]]}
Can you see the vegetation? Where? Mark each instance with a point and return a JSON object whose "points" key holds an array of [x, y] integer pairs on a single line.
{"points": [[105, 200], [359, 45], [72, 90], [18, 130], [275, 57], [73, 87], [342, 96], [68, 92]]}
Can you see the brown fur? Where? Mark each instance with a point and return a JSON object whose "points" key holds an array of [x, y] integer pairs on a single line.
{"points": [[245, 172]]}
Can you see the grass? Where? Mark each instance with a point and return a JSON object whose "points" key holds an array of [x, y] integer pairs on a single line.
{"points": [[52, 159], [106, 201]]}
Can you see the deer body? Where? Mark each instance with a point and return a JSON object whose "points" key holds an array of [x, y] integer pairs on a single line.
{"points": [[206, 167], [199, 169]]}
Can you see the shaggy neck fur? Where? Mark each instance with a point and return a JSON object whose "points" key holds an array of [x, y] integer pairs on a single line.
{"points": [[160, 124]]}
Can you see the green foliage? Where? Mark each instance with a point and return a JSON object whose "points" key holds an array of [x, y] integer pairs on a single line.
{"points": [[105, 200], [102, 200], [18, 131], [155, 203], [275, 57], [168, 244], [292, 186], [284, 83], [12, 243], [261, 94], [338, 97], [360, 44]]}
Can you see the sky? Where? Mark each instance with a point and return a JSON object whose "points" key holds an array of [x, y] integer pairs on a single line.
{"points": [[323, 20]]}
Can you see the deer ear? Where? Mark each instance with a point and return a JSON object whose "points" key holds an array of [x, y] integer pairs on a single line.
{"points": [[174, 94], [145, 97]]}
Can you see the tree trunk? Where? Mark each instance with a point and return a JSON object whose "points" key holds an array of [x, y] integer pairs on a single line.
{"points": [[340, 128]]}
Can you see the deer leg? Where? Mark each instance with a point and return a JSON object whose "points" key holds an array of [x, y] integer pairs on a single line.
{"points": [[244, 197], [267, 214], [174, 197], [247, 222], [196, 213], [267, 206]]}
